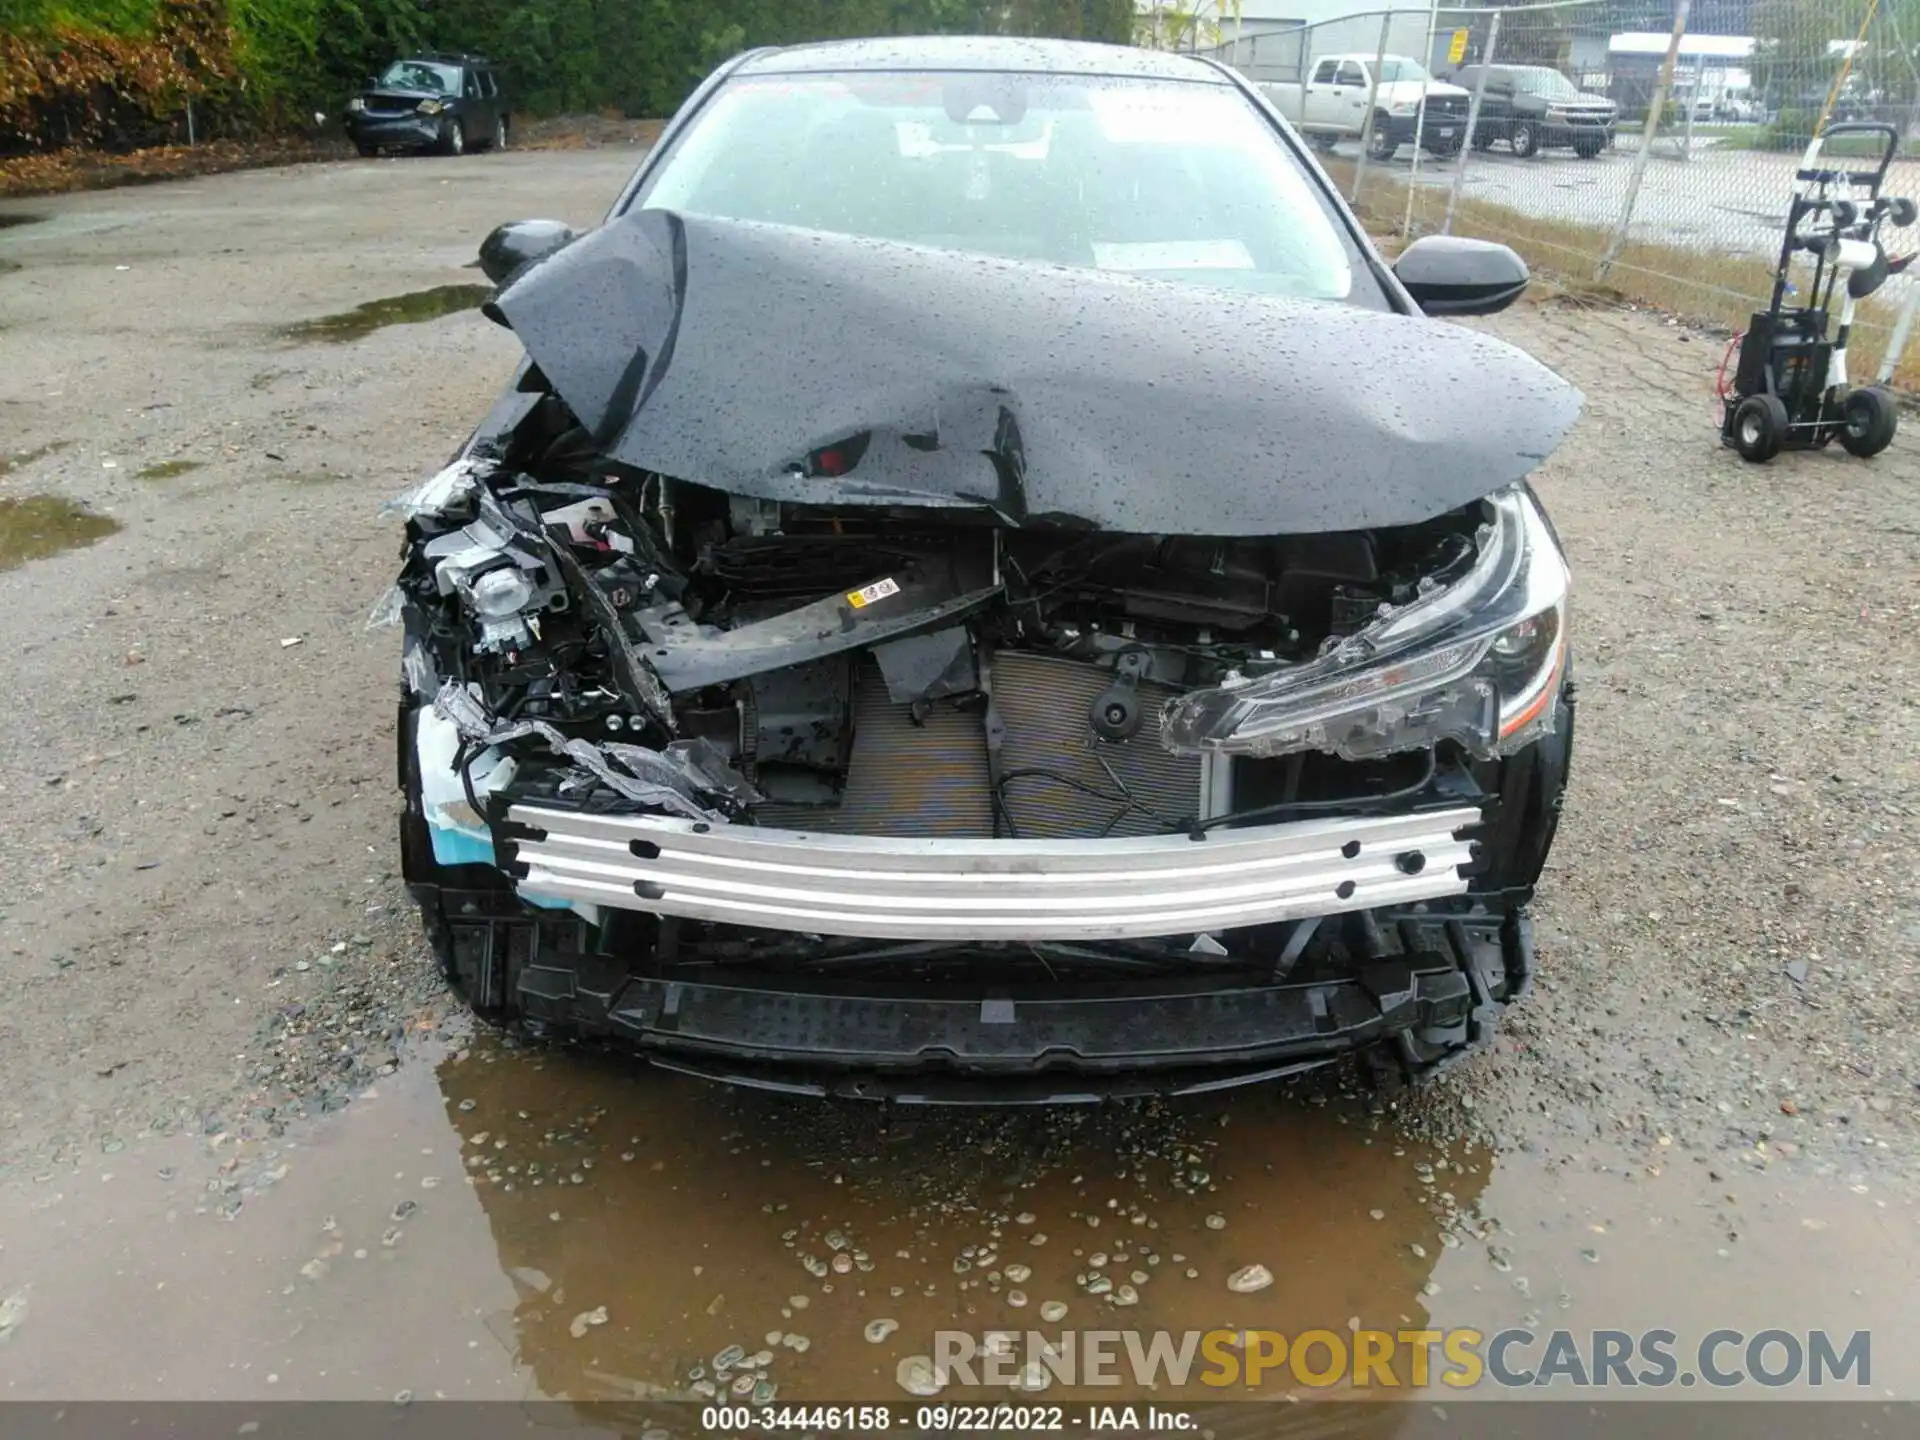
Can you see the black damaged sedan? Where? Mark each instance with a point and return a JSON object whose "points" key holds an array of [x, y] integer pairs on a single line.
{"points": [[985, 587]]}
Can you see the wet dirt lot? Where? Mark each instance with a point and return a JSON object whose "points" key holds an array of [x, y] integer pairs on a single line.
{"points": [[250, 1151], [512, 1226]]}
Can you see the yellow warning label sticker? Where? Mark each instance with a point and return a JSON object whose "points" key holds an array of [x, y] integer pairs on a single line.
{"points": [[867, 594]]}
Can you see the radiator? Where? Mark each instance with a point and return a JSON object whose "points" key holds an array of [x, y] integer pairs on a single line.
{"points": [[1045, 701]]}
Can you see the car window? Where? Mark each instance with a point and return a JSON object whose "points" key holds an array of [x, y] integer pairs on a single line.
{"points": [[1352, 75], [1397, 68], [473, 86], [1169, 179], [488, 87], [423, 75], [1549, 84], [1324, 75]]}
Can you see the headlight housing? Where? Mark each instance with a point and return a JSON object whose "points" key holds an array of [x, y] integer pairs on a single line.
{"points": [[430, 107], [356, 105], [1478, 662], [1404, 108]]}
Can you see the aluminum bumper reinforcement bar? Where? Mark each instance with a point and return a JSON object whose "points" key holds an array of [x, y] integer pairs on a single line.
{"points": [[938, 889]]}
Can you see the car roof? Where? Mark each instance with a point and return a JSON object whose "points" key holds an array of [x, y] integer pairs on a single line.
{"points": [[450, 57], [979, 52]]}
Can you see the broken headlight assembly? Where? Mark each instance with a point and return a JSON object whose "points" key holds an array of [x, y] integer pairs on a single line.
{"points": [[1477, 662]]}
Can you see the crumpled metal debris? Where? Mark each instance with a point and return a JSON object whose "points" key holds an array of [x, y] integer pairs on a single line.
{"points": [[672, 779]]}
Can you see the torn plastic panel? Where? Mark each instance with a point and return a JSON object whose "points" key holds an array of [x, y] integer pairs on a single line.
{"points": [[449, 489], [742, 356], [388, 609], [458, 831], [1478, 661], [680, 779], [504, 545], [416, 668], [928, 667]]}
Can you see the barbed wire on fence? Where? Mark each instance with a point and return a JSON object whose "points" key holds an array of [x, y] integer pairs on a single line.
{"points": [[1657, 161]]}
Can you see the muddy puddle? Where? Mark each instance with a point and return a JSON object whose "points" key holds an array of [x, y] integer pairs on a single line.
{"points": [[506, 1224], [35, 526], [409, 309]]}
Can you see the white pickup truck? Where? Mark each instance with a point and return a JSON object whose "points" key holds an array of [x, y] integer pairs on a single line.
{"points": [[1332, 104]]}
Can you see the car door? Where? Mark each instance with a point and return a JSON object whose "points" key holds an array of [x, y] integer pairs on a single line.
{"points": [[475, 109], [496, 102], [1343, 104], [1469, 78], [1352, 87], [1319, 108], [1497, 103]]}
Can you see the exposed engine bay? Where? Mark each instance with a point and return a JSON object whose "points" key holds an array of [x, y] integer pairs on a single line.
{"points": [[923, 709], [622, 641]]}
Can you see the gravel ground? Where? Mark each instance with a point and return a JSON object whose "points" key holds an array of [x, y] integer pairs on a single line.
{"points": [[1729, 926], [202, 929]]}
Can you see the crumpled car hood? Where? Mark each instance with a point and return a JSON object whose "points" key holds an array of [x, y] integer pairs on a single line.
{"points": [[734, 354]]}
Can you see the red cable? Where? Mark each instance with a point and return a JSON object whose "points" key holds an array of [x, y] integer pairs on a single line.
{"points": [[1720, 378]]}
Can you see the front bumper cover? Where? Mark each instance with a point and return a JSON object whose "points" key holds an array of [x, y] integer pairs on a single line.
{"points": [[404, 132], [1443, 131], [1557, 133]]}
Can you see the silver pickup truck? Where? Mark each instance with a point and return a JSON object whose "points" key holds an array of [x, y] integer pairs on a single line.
{"points": [[1332, 104]]}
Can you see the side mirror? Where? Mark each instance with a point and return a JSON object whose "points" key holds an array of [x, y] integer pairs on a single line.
{"points": [[519, 244], [1447, 275]]}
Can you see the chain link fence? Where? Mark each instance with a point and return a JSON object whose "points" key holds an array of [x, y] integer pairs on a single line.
{"points": [[1653, 162]]}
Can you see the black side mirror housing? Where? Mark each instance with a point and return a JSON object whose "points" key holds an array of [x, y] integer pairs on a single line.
{"points": [[515, 246], [1449, 275]]}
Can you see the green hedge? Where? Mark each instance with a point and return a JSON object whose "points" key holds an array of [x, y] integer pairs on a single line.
{"points": [[285, 59]]}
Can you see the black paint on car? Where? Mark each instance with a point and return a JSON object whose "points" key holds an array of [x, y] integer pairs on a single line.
{"points": [[1530, 108], [986, 587]]}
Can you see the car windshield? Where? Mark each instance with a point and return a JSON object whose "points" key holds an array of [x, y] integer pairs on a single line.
{"points": [[1392, 70], [1169, 179], [422, 75], [1550, 84]]}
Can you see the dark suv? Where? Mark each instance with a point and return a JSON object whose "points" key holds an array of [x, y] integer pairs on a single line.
{"points": [[1533, 108], [442, 102]]}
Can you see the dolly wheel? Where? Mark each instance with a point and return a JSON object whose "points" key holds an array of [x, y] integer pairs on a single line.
{"points": [[1869, 417], [1759, 427]]}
